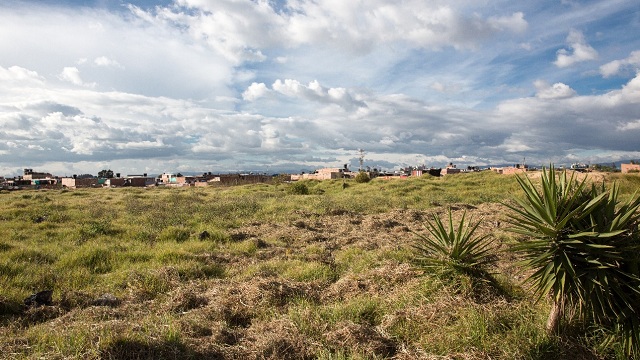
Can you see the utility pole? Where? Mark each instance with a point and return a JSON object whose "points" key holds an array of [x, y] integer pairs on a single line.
{"points": [[361, 158]]}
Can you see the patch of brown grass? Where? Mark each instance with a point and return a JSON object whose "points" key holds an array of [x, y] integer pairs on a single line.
{"points": [[386, 279], [360, 339]]}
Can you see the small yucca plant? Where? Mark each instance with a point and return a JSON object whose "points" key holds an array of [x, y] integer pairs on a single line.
{"points": [[454, 249]]}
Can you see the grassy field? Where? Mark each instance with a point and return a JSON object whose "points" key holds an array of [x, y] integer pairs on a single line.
{"points": [[258, 272]]}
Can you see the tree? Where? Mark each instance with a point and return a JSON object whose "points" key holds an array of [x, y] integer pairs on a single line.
{"points": [[582, 246], [105, 174]]}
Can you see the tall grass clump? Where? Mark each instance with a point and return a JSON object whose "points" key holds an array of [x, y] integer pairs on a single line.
{"points": [[97, 259], [582, 245], [174, 233]]}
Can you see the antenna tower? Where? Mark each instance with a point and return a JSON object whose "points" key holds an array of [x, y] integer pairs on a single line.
{"points": [[361, 158]]}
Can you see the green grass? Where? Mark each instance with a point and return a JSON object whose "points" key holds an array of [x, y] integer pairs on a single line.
{"points": [[335, 265]]}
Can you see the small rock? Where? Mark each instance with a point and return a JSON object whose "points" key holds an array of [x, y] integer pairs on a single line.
{"points": [[39, 219], [107, 300]]}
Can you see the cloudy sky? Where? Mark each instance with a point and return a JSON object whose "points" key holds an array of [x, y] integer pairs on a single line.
{"points": [[284, 85]]}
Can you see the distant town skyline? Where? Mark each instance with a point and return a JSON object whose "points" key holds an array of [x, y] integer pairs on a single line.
{"points": [[274, 86], [353, 167]]}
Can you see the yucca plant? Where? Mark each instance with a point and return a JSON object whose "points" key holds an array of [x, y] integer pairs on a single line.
{"points": [[582, 246], [454, 249]]}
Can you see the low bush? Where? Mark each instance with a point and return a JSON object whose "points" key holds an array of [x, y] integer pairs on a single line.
{"points": [[362, 177], [298, 188]]}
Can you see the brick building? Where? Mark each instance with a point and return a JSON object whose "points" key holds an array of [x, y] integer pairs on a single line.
{"points": [[629, 168]]}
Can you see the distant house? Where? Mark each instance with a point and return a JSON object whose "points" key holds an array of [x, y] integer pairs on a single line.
{"points": [[323, 174], [629, 168], [240, 179], [38, 178], [509, 170], [450, 169], [170, 179], [29, 174], [76, 183], [115, 182], [139, 180], [18, 182], [424, 171], [202, 180], [44, 182]]}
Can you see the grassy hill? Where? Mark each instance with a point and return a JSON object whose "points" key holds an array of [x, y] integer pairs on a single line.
{"points": [[260, 272]]}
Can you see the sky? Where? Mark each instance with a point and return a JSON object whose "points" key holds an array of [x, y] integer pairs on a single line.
{"points": [[156, 86]]}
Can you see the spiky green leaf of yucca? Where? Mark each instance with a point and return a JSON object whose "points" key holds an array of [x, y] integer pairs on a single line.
{"points": [[453, 248], [583, 247]]}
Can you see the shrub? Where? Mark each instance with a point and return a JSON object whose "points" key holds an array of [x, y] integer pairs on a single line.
{"points": [[362, 177], [298, 188], [454, 249], [583, 249]]}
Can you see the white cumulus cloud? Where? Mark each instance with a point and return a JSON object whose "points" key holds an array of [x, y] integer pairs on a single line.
{"points": [[580, 50], [614, 67], [317, 93], [255, 91], [17, 73], [106, 62], [555, 91], [72, 74], [515, 22], [240, 29]]}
